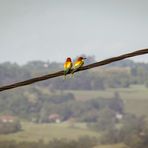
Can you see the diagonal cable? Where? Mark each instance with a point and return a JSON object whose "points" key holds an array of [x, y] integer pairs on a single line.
{"points": [[60, 73]]}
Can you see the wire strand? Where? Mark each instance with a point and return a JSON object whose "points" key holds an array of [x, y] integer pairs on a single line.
{"points": [[60, 73]]}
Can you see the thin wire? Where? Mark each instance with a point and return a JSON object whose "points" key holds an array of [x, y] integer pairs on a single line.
{"points": [[60, 73]]}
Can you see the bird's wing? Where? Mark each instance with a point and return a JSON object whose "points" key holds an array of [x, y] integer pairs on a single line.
{"points": [[77, 65], [67, 67]]}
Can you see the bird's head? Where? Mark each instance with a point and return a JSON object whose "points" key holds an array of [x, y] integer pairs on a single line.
{"points": [[81, 59], [68, 59]]}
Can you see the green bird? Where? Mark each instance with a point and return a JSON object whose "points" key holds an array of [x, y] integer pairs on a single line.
{"points": [[67, 66]]}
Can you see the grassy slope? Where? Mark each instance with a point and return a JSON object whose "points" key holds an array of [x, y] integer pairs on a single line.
{"points": [[47, 132], [35, 132], [112, 146], [135, 98]]}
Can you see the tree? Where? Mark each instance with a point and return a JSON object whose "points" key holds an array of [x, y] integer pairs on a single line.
{"points": [[116, 103], [106, 120], [10, 127]]}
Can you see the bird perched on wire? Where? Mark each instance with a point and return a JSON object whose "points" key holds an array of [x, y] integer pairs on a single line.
{"points": [[77, 64], [67, 66]]}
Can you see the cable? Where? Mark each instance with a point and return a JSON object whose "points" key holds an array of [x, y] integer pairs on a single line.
{"points": [[60, 73]]}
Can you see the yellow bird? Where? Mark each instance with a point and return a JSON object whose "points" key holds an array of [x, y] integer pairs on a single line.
{"points": [[78, 63], [67, 66]]}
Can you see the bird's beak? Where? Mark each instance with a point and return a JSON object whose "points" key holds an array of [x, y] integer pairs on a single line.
{"points": [[84, 58]]}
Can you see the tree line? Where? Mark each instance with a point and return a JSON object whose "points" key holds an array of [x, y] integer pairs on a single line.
{"points": [[119, 74], [33, 104]]}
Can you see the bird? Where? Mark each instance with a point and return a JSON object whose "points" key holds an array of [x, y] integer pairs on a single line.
{"points": [[77, 64], [67, 66]]}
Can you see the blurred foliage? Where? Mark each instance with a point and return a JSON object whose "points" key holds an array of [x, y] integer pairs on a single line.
{"points": [[132, 131], [85, 142], [42, 99], [10, 127], [119, 74], [36, 105]]}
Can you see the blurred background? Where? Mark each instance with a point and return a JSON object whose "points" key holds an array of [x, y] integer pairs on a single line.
{"points": [[106, 107]]}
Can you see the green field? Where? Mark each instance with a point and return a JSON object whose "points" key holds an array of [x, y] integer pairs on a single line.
{"points": [[47, 132], [135, 98], [112, 146]]}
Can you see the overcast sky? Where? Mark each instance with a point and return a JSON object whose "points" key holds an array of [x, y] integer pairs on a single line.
{"points": [[54, 29]]}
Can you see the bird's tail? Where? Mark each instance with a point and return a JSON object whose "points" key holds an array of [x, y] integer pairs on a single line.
{"points": [[65, 72], [72, 73], [64, 77]]}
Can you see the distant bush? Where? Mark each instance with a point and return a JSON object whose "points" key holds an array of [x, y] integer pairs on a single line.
{"points": [[82, 142], [146, 84], [132, 131], [105, 121], [9, 127]]}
